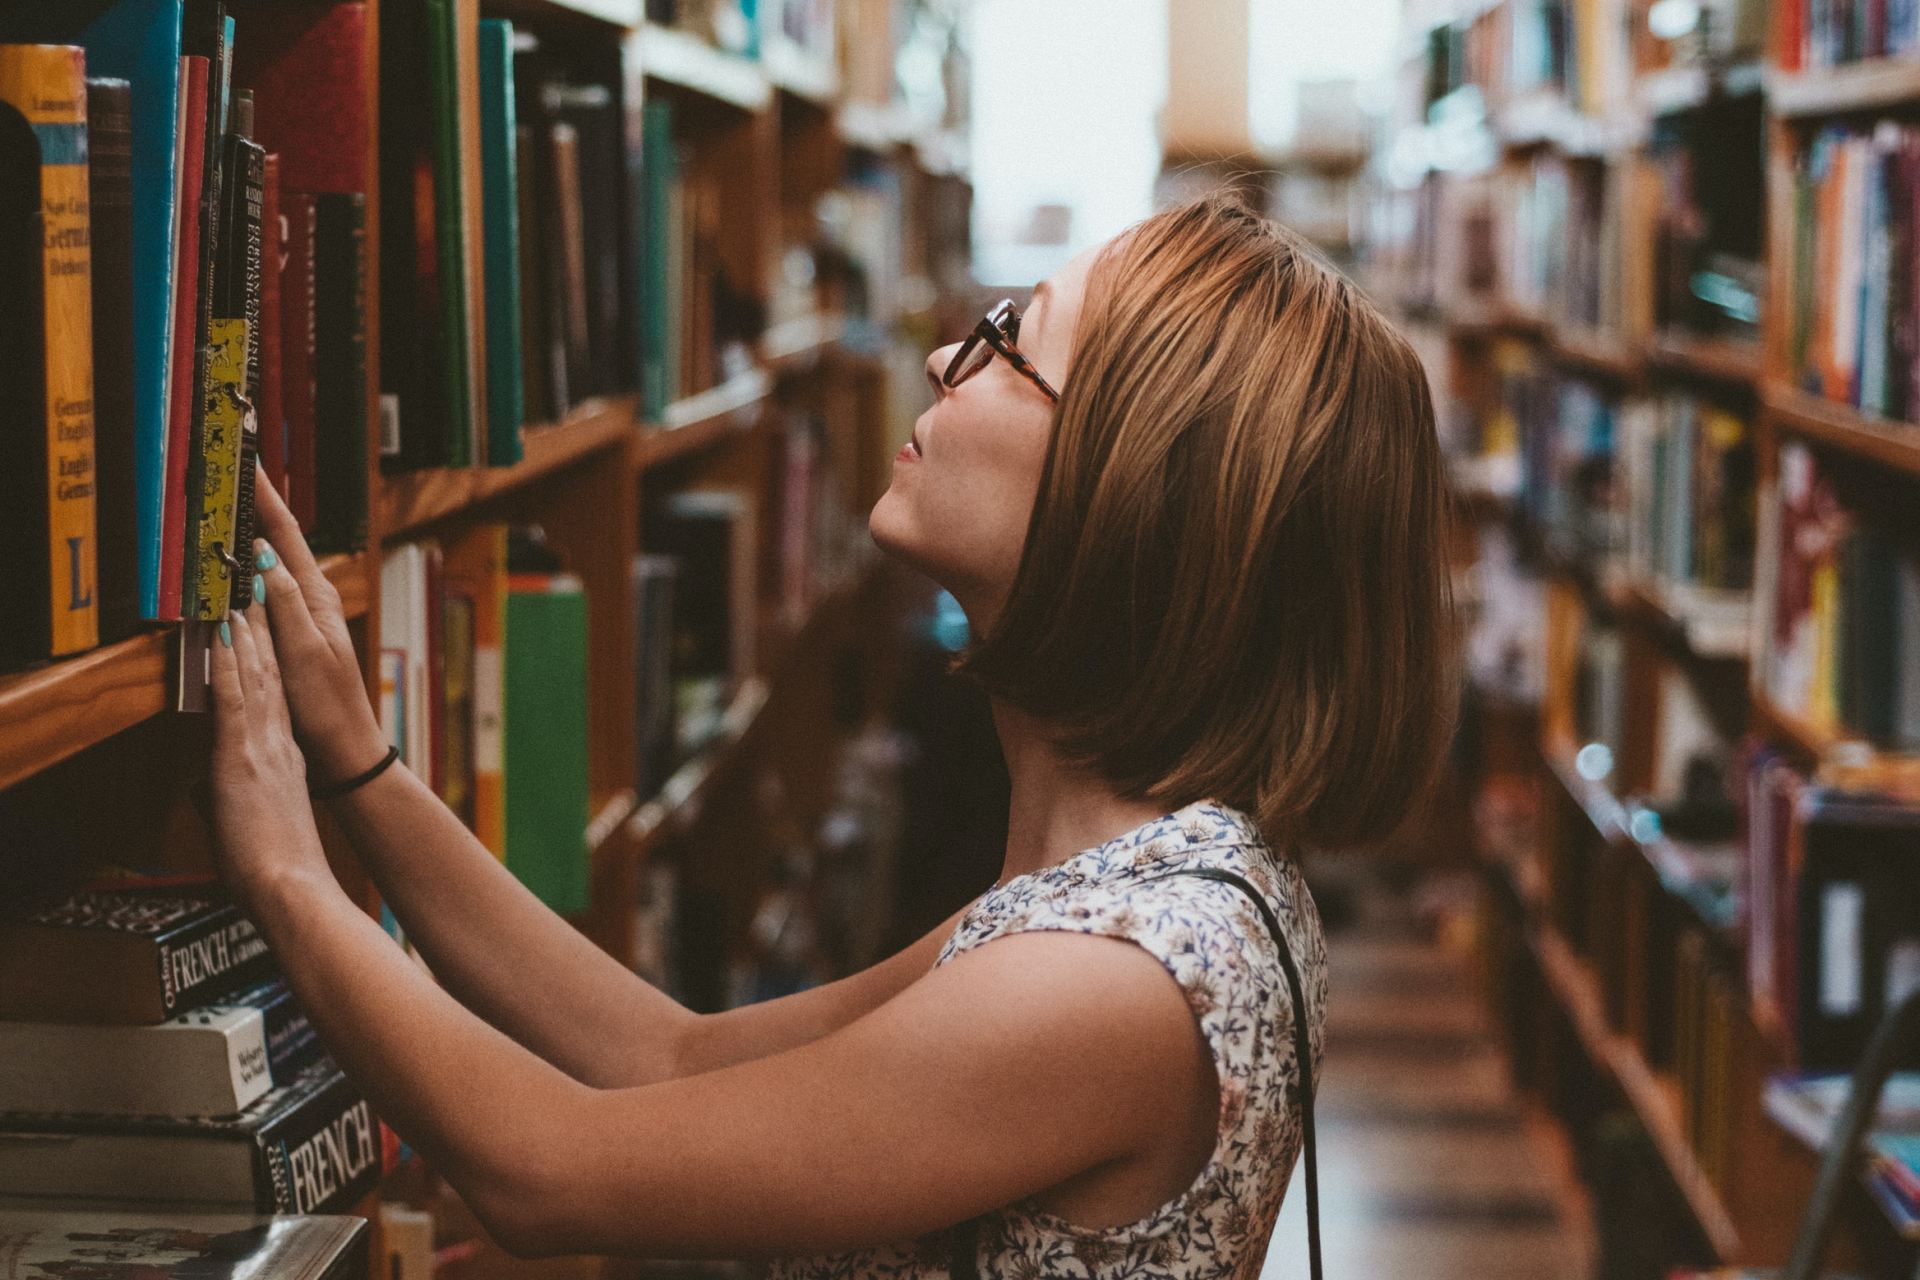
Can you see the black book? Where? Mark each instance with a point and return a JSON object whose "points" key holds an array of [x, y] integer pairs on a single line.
{"points": [[309, 1146], [110, 203], [340, 371]]}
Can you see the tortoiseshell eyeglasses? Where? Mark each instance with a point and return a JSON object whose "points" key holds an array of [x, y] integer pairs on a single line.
{"points": [[996, 334]]}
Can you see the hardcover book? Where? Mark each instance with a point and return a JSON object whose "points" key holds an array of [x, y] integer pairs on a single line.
{"points": [[309, 1146], [131, 954], [47, 480], [546, 741], [64, 1244], [115, 436]]}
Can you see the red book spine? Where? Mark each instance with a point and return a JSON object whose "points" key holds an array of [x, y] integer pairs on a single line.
{"points": [[296, 353], [186, 298], [309, 80], [272, 411]]}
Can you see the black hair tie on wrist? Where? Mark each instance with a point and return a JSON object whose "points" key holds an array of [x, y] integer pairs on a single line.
{"points": [[334, 790]]}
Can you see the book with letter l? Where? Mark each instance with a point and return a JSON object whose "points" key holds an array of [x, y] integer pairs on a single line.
{"points": [[127, 952], [43, 1244], [309, 1146], [46, 415]]}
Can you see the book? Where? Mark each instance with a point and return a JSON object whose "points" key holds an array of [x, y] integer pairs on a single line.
{"points": [[652, 587], [1807, 1104], [139, 41], [506, 399], [180, 380], [127, 953], [63, 1243], [115, 432], [546, 739], [48, 491], [297, 338], [473, 573], [268, 402], [311, 1145], [404, 643], [215, 1060], [308, 72], [340, 425]]}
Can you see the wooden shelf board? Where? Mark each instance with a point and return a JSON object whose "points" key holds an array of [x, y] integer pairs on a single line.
{"points": [[57, 710], [683, 60], [411, 500], [797, 341], [1602, 808], [872, 127], [1727, 360], [683, 794], [1596, 353], [1870, 84], [1866, 435], [705, 419], [1654, 1099], [1671, 89], [1784, 727], [610, 813], [794, 73], [621, 13]]}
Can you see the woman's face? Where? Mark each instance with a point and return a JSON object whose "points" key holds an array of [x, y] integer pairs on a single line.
{"points": [[963, 491]]}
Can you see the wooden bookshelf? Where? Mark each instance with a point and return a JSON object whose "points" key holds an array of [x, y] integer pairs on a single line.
{"points": [[682, 60], [1869, 85], [792, 72], [60, 709], [411, 500], [1838, 426], [1780, 725], [1654, 1099], [798, 342], [701, 421], [1596, 353], [1729, 361]]}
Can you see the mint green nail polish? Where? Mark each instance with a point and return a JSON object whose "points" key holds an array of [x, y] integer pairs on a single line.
{"points": [[226, 633], [260, 586], [266, 559]]}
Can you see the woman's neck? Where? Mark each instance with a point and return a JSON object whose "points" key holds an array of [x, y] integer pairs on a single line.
{"points": [[1057, 809]]}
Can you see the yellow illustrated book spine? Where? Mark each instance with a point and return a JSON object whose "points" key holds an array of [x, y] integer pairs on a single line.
{"points": [[227, 407], [47, 85]]}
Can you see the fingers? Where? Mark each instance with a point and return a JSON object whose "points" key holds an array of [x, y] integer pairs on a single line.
{"points": [[286, 601], [279, 528], [229, 698], [260, 630]]}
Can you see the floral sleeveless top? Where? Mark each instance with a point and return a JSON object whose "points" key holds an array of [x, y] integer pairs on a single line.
{"points": [[1212, 940]]}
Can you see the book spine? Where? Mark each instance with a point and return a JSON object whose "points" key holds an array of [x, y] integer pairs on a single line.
{"points": [[116, 454], [292, 1043], [46, 84], [322, 1156], [212, 33], [213, 957], [449, 233], [173, 523], [250, 196], [506, 396], [340, 369], [297, 387], [269, 401]]}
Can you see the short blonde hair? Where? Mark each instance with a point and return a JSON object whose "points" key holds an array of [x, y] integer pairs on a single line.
{"points": [[1234, 583]]}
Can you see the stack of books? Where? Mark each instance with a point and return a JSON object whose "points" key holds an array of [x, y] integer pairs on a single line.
{"points": [[150, 1054]]}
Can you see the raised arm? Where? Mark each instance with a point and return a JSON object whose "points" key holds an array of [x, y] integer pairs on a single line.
{"points": [[498, 949]]}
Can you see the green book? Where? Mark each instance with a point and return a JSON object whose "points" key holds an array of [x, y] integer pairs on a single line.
{"points": [[449, 225], [546, 737], [659, 171], [500, 179]]}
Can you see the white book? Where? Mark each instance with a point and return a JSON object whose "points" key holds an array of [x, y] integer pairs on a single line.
{"points": [[209, 1062]]}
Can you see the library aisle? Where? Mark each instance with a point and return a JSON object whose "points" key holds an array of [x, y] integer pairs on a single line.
{"points": [[1432, 1166]]}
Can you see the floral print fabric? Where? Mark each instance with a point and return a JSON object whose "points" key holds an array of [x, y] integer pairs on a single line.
{"points": [[1211, 939]]}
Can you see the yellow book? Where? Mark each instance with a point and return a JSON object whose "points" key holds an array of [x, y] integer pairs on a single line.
{"points": [[1823, 709], [227, 407], [47, 86]]}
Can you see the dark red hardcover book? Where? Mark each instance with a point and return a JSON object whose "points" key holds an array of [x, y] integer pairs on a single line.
{"points": [[110, 240], [267, 401], [296, 354], [308, 72], [186, 295]]}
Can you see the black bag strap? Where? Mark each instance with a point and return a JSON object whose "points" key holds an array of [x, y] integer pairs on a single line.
{"points": [[966, 1236]]}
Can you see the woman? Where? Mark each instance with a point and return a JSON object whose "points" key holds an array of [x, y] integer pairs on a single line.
{"points": [[1192, 503]]}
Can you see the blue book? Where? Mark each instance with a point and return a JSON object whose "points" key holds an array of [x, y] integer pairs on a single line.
{"points": [[137, 41], [500, 206]]}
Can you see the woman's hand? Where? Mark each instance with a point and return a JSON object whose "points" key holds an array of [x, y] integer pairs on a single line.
{"points": [[262, 819], [332, 718]]}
